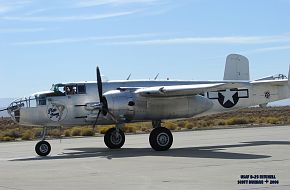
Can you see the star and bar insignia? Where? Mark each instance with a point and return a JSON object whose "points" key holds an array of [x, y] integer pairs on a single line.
{"points": [[230, 97]]}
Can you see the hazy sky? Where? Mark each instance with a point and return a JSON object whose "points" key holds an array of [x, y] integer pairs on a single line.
{"points": [[45, 42]]}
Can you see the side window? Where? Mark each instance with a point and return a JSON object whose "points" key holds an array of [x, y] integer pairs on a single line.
{"points": [[75, 89], [33, 102], [42, 101], [81, 89], [70, 90]]}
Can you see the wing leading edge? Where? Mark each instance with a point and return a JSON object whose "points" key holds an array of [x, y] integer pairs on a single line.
{"points": [[185, 90]]}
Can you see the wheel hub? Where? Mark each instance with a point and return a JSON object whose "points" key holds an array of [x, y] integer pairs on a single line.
{"points": [[43, 148], [163, 139], [116, 138]]}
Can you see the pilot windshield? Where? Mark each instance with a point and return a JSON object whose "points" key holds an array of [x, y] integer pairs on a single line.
{"points": [[58, 89]]}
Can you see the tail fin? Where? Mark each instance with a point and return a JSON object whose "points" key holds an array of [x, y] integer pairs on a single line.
{"points": [[237, 68]]}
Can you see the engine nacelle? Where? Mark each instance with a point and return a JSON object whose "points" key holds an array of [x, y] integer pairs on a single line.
{"points": [[128, 106], [121, 104]]}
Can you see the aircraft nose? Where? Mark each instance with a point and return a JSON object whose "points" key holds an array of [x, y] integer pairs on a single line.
{"points": [[14, 110]]}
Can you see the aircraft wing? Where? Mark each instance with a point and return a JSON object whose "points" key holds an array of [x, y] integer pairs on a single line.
{"points": [[185, 90]]}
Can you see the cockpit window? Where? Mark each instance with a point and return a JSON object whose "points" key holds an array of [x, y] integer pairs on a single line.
{"points": [[81, 89], [41, 100], [68, 89], [58, 90]]}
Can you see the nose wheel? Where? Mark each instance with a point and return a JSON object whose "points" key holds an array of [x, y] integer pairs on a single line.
{"points": [[161, 139], [42, 148]]}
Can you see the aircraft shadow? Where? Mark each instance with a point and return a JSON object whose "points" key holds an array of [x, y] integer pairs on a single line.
{"points": [[215, 152]]}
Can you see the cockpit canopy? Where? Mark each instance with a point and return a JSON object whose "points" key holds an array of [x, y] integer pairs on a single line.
{"points": [[68, 89], [40, 98]]}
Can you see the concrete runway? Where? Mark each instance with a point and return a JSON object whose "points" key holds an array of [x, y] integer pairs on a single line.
{"points": [[210, 159]]}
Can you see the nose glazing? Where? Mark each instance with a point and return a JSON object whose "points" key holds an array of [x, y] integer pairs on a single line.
{"points": [[14, 110]]}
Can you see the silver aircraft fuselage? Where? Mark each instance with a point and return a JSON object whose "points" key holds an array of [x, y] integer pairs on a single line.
{"points": [[120, 102], [70, 104]]}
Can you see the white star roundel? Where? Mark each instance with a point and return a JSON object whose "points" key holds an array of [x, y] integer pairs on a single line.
{"points": [[230, 97]]}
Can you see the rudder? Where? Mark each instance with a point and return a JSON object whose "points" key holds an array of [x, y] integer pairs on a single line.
{"points": [[237, 68]]}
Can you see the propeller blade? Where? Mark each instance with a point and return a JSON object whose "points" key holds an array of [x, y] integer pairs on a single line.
{"points": [[100, 85], [103, 101], [112, 116], [95, 123]]}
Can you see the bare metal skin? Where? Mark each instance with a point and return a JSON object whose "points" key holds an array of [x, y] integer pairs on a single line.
{"points": [[119, 102]]}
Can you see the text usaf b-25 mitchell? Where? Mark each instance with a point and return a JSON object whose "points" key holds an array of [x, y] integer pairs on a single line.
{"points": [[128, 101]]}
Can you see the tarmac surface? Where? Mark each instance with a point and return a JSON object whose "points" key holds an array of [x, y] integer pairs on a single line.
{"points": [[209, 159]]}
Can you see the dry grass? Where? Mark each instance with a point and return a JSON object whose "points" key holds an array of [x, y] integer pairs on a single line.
{"points": [[189, 126], [27, 135], [87, 132], [67, 133], [170, 125], [76, 131]]}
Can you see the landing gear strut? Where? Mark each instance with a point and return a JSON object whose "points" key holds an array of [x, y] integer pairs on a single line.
{"points": [[43, 148], [160, 138], [114, 138]]}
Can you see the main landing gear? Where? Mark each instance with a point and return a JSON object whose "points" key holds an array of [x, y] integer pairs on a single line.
{"points": [[43, 148], [160, 138], [114, 138]]}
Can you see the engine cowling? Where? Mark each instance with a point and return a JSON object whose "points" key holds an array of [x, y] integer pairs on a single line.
{"points": [[128, 106], [121, 104]]}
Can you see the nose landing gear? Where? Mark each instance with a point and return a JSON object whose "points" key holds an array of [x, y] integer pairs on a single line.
{"points": [[43, 148]]}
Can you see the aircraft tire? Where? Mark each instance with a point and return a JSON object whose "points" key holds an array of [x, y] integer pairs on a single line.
{"points": [[161, 139], [42, 148], [114, 139]]}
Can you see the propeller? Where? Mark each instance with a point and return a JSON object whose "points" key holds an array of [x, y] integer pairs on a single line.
{"points": [[100, 85], [103, 108], [95, 123]]}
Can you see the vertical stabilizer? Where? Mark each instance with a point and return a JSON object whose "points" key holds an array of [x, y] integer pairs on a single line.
{"points": [[237, 68]]}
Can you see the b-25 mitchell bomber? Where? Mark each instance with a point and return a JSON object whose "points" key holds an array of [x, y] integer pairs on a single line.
{"points": [[128, 101]]}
